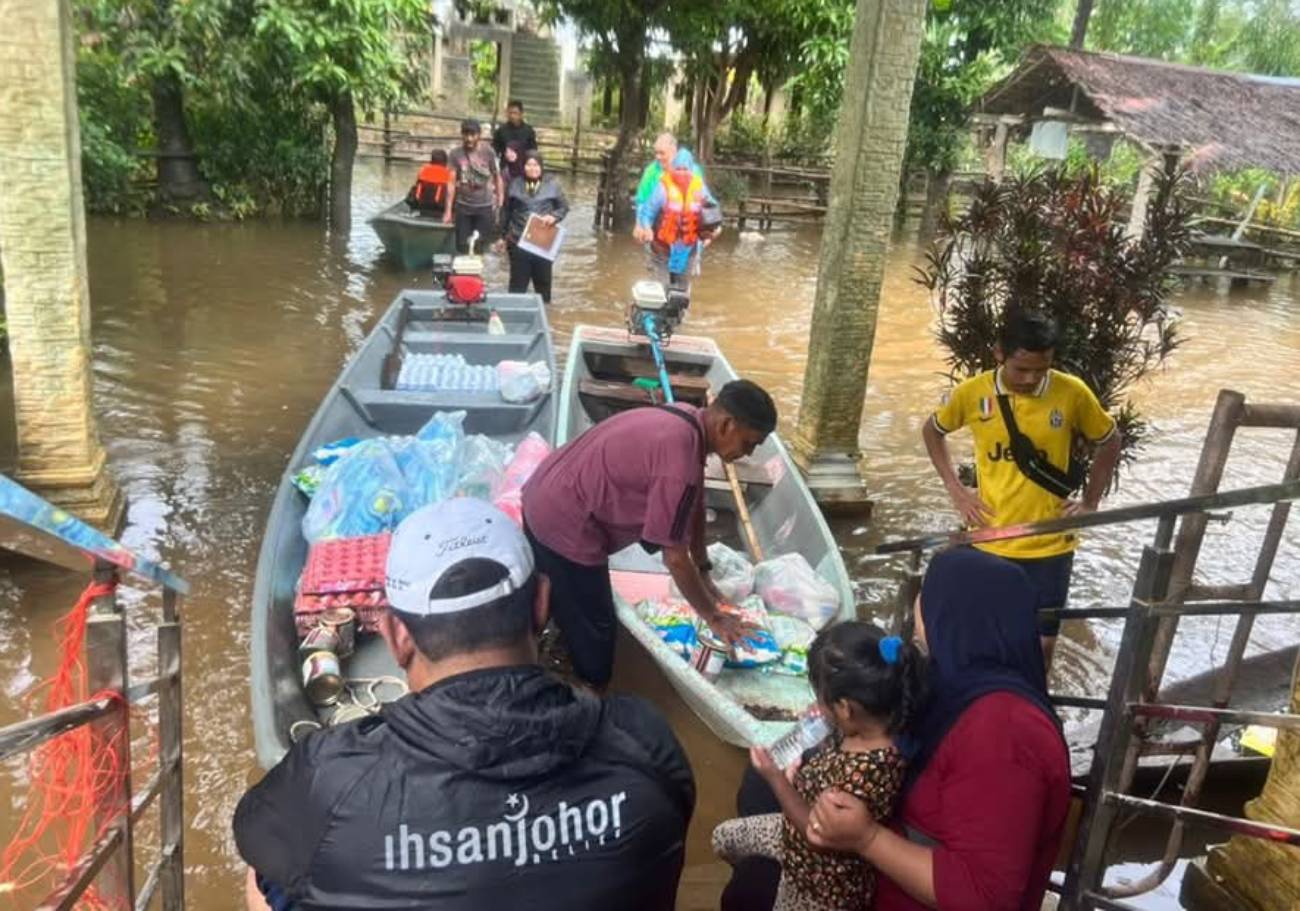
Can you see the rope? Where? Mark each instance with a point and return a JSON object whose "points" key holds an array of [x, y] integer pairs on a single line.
{"points": [[73, 777]]}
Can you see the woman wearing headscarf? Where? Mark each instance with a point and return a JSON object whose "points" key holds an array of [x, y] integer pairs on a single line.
{"points": [[674, 216], [534, 192], [988, 789]]}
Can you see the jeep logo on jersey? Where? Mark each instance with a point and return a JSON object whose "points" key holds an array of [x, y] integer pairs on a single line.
{"points": [[520, 837], [1002, 453]]}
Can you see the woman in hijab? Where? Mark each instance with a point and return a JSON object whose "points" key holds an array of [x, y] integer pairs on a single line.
{"points": [[984, 806], [537, 193], [676, 215]]}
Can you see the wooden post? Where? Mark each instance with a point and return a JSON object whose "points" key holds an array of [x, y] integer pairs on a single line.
{"points": [[996, 160], [388, 137], [170, 738], [106, 669], [577, 143], [740, 216]]}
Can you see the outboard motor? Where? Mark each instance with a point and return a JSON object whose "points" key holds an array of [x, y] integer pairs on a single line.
{"points": [[465, 284], [654, 313], [442, 268]]}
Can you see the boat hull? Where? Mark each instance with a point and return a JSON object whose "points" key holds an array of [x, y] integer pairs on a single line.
{"points": [[357, 405], [412, 239], [785, 520]]}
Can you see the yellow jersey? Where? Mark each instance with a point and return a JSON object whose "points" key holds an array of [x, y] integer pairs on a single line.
{"points": [[1059, 408]]}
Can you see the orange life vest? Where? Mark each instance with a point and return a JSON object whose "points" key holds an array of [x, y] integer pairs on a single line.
{"points": [[431, 184], [680, 220]]}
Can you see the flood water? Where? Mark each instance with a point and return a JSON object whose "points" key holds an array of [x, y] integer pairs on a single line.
{"points": [[213, 345]]}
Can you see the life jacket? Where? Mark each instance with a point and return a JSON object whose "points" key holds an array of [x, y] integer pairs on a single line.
{"points": [[680, 220], [431, 185]]}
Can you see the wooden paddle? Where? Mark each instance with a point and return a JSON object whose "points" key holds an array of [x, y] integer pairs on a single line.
{"points": [[742, 508], [392, 366]]}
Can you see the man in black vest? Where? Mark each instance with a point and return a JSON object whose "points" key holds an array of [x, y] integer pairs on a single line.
{"points": [[493, 785]]}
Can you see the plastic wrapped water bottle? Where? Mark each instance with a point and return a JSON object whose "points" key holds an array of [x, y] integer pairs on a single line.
{"points": [[810, 730]]}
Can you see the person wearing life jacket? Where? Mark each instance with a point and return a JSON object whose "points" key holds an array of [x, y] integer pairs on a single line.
{"points": [[674, 218], [429, 193]]}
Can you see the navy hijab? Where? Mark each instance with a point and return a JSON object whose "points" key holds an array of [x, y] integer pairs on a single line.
{"points": [[981, 630]]}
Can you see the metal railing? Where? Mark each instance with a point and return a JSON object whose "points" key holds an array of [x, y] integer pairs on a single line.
{"points": [[109, 862]]}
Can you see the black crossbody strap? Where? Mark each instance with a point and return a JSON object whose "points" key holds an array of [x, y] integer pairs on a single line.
{"points": [[693, 422], [1032, 465]]}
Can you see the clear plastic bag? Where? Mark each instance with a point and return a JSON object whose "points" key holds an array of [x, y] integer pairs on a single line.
{"points": [[788, 585], [793, 637], [508, 496], [732, 573], [521, 382], [757, 647], [483, 463]]}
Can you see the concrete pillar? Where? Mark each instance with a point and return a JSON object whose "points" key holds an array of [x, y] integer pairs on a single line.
{"points": [[43, 256], [1262, 875], [1137, 219], [870, 138], [996, 157]]}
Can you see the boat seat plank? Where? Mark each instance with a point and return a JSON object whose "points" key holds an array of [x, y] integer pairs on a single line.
{"points": [[624, 367], [689, 389]]}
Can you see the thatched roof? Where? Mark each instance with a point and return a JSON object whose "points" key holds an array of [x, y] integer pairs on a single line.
{"points": [[1217, 118]]}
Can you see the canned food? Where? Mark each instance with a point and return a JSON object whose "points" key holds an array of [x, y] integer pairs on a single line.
{"points": [[319, 638], [322, 678], [343, 620], [711, 654]]}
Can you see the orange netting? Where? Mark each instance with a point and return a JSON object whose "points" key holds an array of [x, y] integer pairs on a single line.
{"points": [[73, 777]]}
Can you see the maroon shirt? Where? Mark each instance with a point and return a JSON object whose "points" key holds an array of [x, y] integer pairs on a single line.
{"points": [[995, 798], [637, 476]]}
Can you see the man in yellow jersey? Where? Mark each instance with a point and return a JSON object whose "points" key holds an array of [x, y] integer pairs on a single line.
{"points": [[1025, 417]]}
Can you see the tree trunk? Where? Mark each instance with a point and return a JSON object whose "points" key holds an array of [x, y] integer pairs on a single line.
{"points": [[179, 180], [644, 96], [345, 152], [629, 125], [607, 99], [1082, 13], [768, 92], [936, 202]]}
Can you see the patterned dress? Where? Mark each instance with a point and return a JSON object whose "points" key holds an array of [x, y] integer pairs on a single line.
{"points": [[841, 880]]}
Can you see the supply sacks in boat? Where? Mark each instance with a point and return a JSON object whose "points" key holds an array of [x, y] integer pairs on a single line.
{"points": [[788, 585], [674, 621], [508, 495], [732, 573], [757, 647], [793, 637], [521, 382]]}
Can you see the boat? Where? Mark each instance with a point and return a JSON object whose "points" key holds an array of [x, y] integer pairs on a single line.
{"points": [[744, 707], [412, 239], [363, 403]]}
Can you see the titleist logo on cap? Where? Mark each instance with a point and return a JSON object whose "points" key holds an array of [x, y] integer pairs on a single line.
{"points": [[460, 542]]}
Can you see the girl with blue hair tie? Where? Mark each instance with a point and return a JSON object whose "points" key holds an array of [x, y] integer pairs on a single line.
{"points": [[870, 687]]}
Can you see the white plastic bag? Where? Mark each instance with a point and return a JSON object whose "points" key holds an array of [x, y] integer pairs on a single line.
{"points": [[788, 585], [521, 382], [732, 573]]}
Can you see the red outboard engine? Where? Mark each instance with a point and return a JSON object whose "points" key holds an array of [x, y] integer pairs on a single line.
{"points": [[465, 283]]}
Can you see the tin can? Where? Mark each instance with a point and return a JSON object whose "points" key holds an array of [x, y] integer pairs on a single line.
{"points": [[322, 678], [709, 657], [319, 638], [343, 621]]}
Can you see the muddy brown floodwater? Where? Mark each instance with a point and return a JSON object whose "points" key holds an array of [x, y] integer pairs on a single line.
{"points": [[213, 345]]}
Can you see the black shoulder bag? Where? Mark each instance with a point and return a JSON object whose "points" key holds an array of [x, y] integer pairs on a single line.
{"points": [[1034, 466]]}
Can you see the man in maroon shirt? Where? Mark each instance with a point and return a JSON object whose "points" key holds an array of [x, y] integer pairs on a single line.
{"points": [[636, 477]]}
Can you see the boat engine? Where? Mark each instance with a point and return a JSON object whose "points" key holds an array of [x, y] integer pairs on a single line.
{"points": [[654, 312], [464, 283]]}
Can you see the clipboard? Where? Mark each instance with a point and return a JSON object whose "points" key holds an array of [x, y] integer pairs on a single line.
{"points": [[541, 239]]}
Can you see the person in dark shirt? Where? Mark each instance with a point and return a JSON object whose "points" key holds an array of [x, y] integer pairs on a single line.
{"points": [[493, 784], [514, 138], [534, 193]]}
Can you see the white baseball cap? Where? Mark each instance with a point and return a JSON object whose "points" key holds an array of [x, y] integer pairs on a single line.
{"points": [[437, 537]]}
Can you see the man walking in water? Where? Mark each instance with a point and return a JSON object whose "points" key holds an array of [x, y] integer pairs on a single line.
{"points": [[636, 477], [477, 191], [1026, 420]]}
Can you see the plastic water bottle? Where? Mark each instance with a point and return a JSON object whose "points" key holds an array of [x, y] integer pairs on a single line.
{"points": [[810, 730], [495, 325]]}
